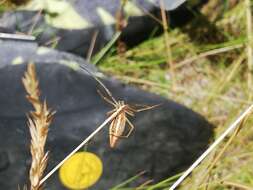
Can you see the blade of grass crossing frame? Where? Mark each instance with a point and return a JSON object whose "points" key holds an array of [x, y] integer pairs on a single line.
{"points": [[165, 182], [231, 128], [102, 53], [128, 181]]}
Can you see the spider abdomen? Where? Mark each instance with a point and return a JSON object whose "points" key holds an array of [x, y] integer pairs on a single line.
{"points": [[117, 128]]}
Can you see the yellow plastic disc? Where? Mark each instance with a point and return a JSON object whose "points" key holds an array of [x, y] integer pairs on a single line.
{"points": [[81, 170]]}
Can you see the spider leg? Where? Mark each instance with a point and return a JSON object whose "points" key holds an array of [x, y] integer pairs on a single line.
{"points": [[100, 82], [131, 128], [106, 99], [145, 108]]}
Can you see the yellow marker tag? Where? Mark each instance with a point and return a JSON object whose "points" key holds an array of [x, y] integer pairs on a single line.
{"points": [[81, 170]]}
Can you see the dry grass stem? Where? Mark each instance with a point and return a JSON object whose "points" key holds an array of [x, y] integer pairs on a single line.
{"points": [[52, 42], [145, 184], [237, 185], [222, 151], [222, 84], [249, 44], [38, 122], [146, 12], [167, 44], [121, 23], [231, 128], [35, 21], [92, 45], [208, 53]]}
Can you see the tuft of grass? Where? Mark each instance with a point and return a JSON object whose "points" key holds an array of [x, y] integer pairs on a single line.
{"points": [[38, 122]]}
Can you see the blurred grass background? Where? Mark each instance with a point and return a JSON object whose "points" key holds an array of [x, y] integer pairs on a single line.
{"points": [[211, 75]]}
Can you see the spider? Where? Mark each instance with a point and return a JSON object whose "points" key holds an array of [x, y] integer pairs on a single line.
{"points": [[118, 123]]}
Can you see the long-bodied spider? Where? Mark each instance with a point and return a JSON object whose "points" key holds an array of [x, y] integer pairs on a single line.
{"points": [[119, 123]]}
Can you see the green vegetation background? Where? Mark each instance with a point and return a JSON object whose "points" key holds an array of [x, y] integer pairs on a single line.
{"points": [[211, 75]]}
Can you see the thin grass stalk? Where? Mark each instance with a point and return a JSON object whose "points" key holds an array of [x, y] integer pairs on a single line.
{"points": [[231, 128], [167, 44], [222, 84], [38, 122], [165, 182], [216, 159], [52, 42], [146, 12], [121, 185], [249, 44], [208, 53], [212, 184], [237, 185], [145, 184], [92, 45], [121, 23], [108, 46], [35, 21]]}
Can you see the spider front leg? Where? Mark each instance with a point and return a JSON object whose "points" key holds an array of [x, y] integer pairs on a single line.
{"points": [[106, 99]]}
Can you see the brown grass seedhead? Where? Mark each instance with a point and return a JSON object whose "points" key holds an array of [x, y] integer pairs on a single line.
{"points": [[38, 122]]}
